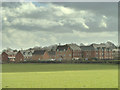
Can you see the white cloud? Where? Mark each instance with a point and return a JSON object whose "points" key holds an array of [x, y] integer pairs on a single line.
{"points": [[94, 34], [24, 39], [73, 16], [103, 22], [33, 22], [5, 18], [85, 26], [104, 17], [50, 18], [60, 10]]}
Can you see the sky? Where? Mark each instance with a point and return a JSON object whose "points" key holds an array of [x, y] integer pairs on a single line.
{"points": [[29, 24]]}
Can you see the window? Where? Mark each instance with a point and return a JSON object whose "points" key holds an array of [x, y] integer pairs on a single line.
{"points": [[102, 49], [97, 49]]}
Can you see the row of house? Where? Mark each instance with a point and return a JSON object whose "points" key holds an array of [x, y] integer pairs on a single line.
{"points": [[28, 55], [93, 51], [12, 56], [64, 52]]}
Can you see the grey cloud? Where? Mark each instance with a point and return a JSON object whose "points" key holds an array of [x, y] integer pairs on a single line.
{"points": [[61, 33], [97, 7], [11, 4], [107, 8]]}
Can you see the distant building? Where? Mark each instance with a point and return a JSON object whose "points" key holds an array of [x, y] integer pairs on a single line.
{"points": [[116, 53], [5, 57], [49, 55], [43, 55], [76, 51], [68, 52], [12, 56], [0, 59], [27, 54], [98, 51], [38, 55], [63, 52], [19, 57]]}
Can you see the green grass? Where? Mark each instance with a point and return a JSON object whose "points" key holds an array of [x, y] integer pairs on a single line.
{"points": [[59, 76]]}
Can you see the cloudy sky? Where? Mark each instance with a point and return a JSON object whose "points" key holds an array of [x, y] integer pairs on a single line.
{"points": [[32, 24]]}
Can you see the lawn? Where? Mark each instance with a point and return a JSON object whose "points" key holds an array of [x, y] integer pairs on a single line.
{"points": [[59, 76]]}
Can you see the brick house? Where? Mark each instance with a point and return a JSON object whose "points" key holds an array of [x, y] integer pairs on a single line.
{"points": [[8, 56], [68, 52], [116, 53], [49, 55], [43, 55], [0, 58], [88, 52], [27, 54], [19, 57], [38, 55], [4, 57], [12, 56], [76, 51], [98, 51]]}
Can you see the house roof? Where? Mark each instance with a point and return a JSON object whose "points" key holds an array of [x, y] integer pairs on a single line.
{"points": [[101, 46], [51, 52], [11, 53], [74, 46], [26, 52], [62, 47], [87, 48], [95, 46], [39, 52]]}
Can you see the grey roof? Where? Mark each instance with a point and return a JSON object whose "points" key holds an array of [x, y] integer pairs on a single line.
{"points": [[74, 46], [62, 47], [26, 52], [39, 52], [87, 48], [98, 45], [95, 47], [11, 53], [102, 45], [51, 52]]}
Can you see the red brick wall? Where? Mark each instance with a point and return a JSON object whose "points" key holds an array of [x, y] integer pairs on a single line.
{"points": [[76, 54], [67, 55], [52, 56], [46, 56], [105, 55], [37, 57], [89, 54], [19, 57], [4, 57]]}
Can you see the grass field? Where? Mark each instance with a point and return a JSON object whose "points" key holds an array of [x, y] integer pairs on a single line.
{"points": [[59, 76]]}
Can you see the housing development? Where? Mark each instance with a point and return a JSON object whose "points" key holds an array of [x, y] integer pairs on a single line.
{"points": [[102, 51]]}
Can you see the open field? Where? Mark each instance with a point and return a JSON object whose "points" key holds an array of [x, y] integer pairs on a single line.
{"points": [[59, 76]]}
